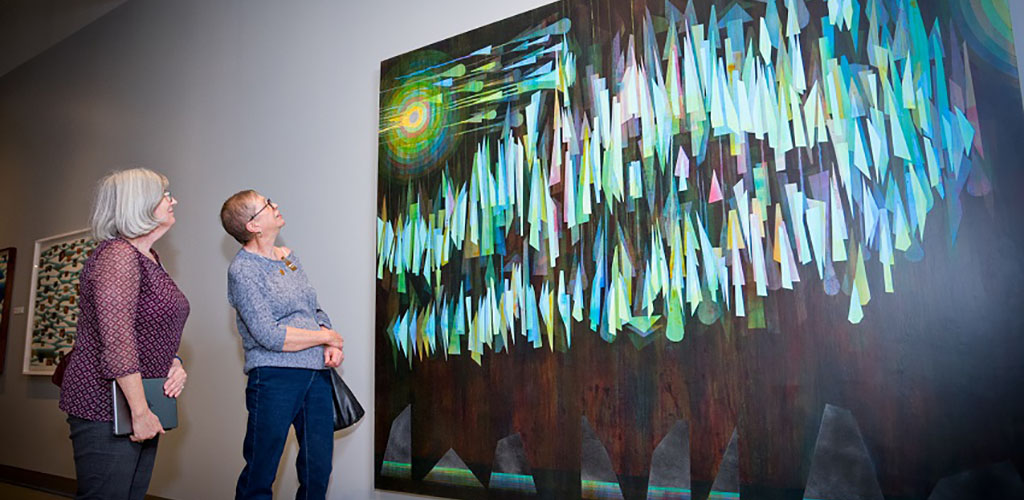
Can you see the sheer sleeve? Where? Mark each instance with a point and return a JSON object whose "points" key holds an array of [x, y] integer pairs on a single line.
{"points": [[116, 280], [249, 297]]}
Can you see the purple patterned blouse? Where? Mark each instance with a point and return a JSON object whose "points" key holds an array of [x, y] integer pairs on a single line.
{"points": [[130, 321]]}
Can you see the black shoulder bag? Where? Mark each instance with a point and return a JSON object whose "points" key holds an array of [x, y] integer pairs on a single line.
{"points": [[347, 410]]}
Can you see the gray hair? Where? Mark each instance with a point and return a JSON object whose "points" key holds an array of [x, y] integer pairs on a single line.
{"points": [[235, 214], [125, 202]]}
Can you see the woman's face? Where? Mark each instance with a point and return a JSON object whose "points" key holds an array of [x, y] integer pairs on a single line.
{"points": [[164, 211], [267, 215]]}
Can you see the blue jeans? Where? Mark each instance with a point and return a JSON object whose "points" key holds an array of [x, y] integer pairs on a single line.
{"points": [[278, 398]]}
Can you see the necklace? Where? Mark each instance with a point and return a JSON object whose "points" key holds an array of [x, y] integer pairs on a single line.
{"points": [[287, 264]]}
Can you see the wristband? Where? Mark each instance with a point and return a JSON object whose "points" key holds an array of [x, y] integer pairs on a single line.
{"points": [[179, 359]]}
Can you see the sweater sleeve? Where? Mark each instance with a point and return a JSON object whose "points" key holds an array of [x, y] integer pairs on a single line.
{"points": [[116, 275], [321, 316], [250, 299]]}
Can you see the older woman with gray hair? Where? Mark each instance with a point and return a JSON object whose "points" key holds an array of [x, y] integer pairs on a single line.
{"points": [[289, 346], [131, 316]]}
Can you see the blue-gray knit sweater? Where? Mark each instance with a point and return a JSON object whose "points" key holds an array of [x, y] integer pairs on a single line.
{"points": [[269, 296]]}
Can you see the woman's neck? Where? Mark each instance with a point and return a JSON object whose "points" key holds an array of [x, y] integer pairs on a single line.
{"points": [[145, 242], [262, 245]]}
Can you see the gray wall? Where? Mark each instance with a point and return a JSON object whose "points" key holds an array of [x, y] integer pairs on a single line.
{"points": [[28, 27], [220, 95]]}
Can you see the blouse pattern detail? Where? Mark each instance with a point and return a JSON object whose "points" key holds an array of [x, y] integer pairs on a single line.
{"points": [[131, 318]]}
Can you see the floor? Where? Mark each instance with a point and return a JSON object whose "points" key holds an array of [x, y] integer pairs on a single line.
{"points": [[12, 492]]}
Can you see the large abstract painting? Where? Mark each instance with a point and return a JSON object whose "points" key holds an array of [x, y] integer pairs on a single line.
{"points": [[7, 263], [53, 304], [704, 249]]}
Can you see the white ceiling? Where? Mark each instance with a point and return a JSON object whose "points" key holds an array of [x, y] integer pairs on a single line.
{"points": [[28, 27]]}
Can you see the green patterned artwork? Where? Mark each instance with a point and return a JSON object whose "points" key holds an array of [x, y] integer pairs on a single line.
{"points": [[54, 306], [680, 248]]}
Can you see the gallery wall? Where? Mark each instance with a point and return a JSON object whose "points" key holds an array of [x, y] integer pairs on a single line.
{"points": [[219, 96]]}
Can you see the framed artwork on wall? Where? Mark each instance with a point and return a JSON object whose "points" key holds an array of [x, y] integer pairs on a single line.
{"points": [[53, 300], [7, 263], [673, 249]]}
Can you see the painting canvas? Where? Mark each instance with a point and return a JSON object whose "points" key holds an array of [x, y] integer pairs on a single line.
{"points": [[7, 262], [53, 303], [704, 249]]}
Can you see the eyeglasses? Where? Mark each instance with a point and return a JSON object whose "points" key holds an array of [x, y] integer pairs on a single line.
{"points": [[167, 194], [264, 207]]}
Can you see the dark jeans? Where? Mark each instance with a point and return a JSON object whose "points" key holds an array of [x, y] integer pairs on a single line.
{"points": [[109, 466], [278, 398]]}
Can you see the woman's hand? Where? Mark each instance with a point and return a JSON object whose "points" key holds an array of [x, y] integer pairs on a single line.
{"points": [[297, 339], [145, 425], [332, 338], [333, 357], [176, 377]]}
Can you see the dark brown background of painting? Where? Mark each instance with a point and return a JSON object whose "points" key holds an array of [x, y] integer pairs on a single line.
{"points": [[932, 374]]}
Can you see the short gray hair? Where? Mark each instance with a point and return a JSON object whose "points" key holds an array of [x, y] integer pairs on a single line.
{"points": [[125, 201], [235, 215]]}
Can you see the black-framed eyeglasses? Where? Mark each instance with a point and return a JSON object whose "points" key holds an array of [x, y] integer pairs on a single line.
{"points": [[264, 207]]}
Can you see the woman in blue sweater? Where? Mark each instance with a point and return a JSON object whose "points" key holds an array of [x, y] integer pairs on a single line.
{"points": [[289, 346]]}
